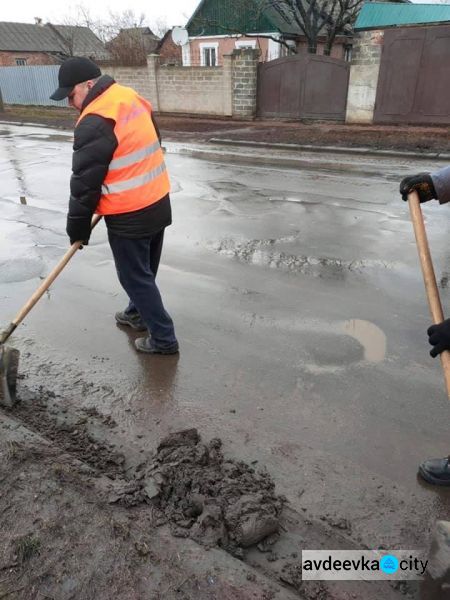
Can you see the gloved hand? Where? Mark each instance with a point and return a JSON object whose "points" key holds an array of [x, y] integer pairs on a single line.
{"points": [[439, 337], [79, 229], [422, 183]]}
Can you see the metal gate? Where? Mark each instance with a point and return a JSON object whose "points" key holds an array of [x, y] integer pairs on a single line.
{"points": [[305, 86], [414, 80]]}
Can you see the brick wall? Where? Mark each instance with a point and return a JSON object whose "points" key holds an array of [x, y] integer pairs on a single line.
{"points": [[170, 53], [364, 71], [245, 72], [8, 59]]}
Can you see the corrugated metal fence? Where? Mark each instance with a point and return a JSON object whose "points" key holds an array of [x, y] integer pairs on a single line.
{"points": [[30, 85]]}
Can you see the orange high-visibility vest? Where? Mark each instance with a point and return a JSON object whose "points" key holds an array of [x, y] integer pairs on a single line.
{"points": [[137, 175]]}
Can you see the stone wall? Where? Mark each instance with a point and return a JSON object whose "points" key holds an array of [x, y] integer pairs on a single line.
{"points": [[229, 90], [364, 71], [135, 77], [202, 90], [244, 81]]}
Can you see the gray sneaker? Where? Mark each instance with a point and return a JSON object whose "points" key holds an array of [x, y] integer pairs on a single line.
{"points": [[131, 319], [146, 345]]}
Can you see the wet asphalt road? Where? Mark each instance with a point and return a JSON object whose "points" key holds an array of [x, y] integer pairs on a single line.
{"points": [[299, 308]]}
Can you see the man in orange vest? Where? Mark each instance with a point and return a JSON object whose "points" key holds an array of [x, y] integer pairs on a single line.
{"points": [[118, 171]]}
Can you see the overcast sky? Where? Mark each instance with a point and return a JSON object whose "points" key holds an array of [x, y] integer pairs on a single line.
{"points": [[173, 12]]}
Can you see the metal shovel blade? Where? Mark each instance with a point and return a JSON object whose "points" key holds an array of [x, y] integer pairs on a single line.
{"points": [[9, 363]]}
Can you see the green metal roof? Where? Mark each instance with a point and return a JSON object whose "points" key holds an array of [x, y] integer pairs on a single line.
{"points": [[225, 17], [379, 15]]}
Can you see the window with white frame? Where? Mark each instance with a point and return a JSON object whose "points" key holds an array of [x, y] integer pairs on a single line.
{"points": [[21, 62], [242, 44], [186, 54], [209, 54]]}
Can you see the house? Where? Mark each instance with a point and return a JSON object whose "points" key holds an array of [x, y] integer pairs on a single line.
{"points": [[213, 26], [132, 45], [169, 52], [143, 36], [47, 44], [218, 27]]}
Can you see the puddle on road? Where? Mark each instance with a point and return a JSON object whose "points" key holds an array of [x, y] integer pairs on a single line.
{"points": [[369, 336], [346, 343]]}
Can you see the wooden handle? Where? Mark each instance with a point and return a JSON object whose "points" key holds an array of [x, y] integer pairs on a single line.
{"points": [[50, 278], [434, 301]]}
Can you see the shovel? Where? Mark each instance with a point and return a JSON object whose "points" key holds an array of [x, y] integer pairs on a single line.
{"points": [[429, 277], [9, 357]]}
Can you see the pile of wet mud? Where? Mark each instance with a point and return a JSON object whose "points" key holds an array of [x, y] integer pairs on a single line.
{"points": [[189, 484], [201, 495]]}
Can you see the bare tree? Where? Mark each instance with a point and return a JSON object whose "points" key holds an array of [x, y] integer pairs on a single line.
{"points": [[343, 17], [159, 26], [122, 33], [127, 45]]}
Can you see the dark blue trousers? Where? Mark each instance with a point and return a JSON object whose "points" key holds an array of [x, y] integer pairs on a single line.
{"points": [[137, 262]]}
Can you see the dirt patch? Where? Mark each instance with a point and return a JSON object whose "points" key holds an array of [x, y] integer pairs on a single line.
{"points": [[401, 138], [196, 129], [70, 437], [64, 118]]}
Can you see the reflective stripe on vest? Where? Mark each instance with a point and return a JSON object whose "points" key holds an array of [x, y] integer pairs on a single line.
{"points": [[136, 182], [134, 157], [137, 175]]}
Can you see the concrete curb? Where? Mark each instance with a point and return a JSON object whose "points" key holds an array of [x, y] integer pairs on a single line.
{"points": [[333, 149]]}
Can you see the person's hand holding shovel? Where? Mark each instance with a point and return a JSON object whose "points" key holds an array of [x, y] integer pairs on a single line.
{"points": [[417, 189]]}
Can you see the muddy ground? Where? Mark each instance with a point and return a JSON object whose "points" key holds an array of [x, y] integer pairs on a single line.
{"points": [[78, 524], [301, 316], [191, 129], [64, 537]]}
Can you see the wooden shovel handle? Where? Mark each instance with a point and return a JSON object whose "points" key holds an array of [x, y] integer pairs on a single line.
{"points": [[434, 300], [50, 278]]}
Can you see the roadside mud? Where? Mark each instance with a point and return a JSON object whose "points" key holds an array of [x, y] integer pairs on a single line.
{"points": [[182, 514], [61, 540], [193, 489], [214, 501], [71, 437]]}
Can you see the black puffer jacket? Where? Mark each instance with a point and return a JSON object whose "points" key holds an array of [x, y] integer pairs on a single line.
{"points": [[93, 148]]}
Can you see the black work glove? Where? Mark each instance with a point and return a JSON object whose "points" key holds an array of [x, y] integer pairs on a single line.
{"points": [[439, 337], [422, 183], [79, 229]]}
